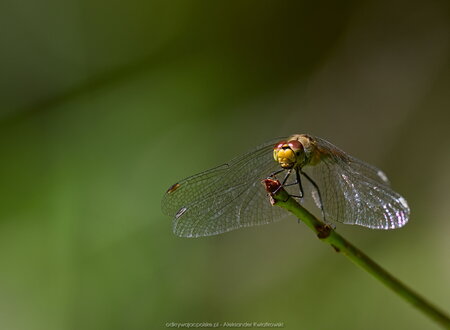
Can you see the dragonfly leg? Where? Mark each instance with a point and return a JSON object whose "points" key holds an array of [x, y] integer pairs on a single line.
{"points": [[276, 172], [299, 181], [318, 193], [284, 180], [286, 177]]}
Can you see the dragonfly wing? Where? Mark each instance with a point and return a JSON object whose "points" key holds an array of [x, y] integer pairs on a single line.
{"points": [[354, 192], [227, 197]]}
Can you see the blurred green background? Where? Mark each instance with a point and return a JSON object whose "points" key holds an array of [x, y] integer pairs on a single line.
{"points": [[105, 104]]}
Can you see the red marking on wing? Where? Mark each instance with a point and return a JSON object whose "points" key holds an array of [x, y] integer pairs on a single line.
{"points": [[173, 188]]}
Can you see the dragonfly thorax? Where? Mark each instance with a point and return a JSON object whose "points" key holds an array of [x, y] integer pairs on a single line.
{"points": [[289, 153]]}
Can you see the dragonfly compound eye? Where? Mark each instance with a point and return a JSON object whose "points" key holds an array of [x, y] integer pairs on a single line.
{"points": [[296, 146], [277, 148]]}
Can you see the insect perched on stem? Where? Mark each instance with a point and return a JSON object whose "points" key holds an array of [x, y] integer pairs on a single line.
{"points": [[231, 196]]}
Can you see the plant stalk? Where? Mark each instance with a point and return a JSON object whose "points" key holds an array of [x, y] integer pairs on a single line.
{"points": [[328, 235]]}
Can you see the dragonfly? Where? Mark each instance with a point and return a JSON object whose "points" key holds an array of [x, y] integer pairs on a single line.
{"points": [[231, 196]]}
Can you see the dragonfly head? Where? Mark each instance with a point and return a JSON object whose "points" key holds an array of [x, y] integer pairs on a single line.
{"points": [[288, 153]]}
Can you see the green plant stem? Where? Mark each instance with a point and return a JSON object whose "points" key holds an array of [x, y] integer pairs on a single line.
{"points": [[326, 234]]}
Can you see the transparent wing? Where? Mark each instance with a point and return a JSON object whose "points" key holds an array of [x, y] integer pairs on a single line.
{"points": [[224, 198], [354, 192]]}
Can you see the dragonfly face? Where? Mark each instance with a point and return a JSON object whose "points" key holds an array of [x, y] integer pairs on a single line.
{"points": [[288, 153], [295, 152]]}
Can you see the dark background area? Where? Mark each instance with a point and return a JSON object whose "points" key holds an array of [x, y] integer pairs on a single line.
{"points": [[105, 104]]}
